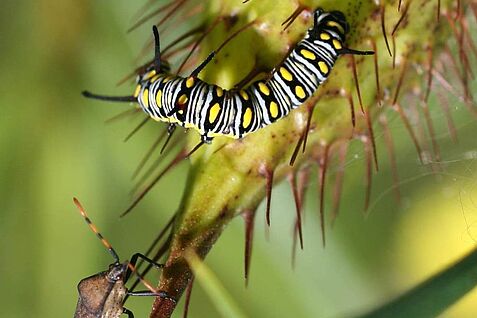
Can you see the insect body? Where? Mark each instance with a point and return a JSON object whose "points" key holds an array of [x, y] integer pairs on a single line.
{"points": [[213, 111], [102, 295]]}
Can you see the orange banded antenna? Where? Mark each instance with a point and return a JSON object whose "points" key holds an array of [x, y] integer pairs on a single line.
{"points": [[93, 227]]}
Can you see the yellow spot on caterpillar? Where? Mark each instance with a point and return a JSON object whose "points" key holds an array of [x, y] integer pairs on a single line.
{"points": [[263, 88], [285, 74], [273, 109], [180, 112], [158, 98], [183, 99], [325, 36], [244, 94], [247, 118], [219, 91], [336, 25], [214, 112], [149, 75], [190, 82], [308, 54], [323, 67], [145, 98], [155, 78], [300, 92], [137, 90], [337, 44]]}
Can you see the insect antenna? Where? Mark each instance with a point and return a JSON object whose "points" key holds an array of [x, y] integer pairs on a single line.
{"points": [[127, 99], [95, 230]]}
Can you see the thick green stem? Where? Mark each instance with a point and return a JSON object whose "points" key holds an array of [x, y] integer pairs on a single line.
{"points": [[227, 178]]}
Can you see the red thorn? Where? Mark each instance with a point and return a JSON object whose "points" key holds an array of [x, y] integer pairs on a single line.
{"points": [[463, 59], [292, 180], [400, 81], [392, 157], [376, 72], [371, 136], [407, 124], [181, 38], [123, 114], [158, 11], [294, 243], [458, 10], [197, 42], [308, 124], [158, 255], [351, 109], [429, 73], [150, 15], [137, 128], [450, 122], [470, 41], [297, 149], [148, 154], [302, 183], [140, 182], [340, 170], [268, 174], [394, 51], [447, 86], [383, 29], [438, 10], [187, 297], [466, 69], [249, 217], [403, 15], [356, 82], [322, 180], [174, 162], [234, 34], [289, 21], [430, 128], [369, 174]]}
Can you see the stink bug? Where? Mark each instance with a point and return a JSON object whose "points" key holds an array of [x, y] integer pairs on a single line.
{"points": [[102, 295]]}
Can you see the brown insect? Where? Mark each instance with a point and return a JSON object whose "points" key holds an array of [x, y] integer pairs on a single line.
{"points": [[102, 295]]}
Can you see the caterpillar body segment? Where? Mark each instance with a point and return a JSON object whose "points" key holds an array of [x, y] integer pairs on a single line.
{"points": [[214, 111]]}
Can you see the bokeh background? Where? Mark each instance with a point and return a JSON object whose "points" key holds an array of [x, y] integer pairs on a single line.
{"points": [[54, 145]]}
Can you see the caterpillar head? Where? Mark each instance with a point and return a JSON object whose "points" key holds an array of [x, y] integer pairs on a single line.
{"points": [[150, 71], [333, 20]]}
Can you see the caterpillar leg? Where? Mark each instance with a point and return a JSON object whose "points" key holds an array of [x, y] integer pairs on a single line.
{"points": [[206, 139], [170, 131]]}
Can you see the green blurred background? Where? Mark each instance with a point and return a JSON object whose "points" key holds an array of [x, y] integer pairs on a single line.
{"points": [[55, 145]]}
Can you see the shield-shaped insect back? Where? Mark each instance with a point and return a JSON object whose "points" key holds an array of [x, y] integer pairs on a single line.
{"points": [[102, 295]]}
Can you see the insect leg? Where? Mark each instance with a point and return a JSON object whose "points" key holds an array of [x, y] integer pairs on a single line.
{"points": [[133, 262], [128, 312]]}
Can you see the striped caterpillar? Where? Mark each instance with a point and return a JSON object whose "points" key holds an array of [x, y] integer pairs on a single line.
{"points": [[214, 111]]}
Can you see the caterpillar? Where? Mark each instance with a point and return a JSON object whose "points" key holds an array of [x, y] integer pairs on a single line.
{"points": [[214, 111]]}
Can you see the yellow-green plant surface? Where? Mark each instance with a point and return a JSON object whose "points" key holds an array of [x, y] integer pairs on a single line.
{"points": [[55, 146]]}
